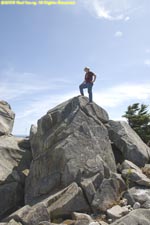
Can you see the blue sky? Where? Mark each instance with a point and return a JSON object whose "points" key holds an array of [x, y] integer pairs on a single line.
{"points": [[43, 50]]}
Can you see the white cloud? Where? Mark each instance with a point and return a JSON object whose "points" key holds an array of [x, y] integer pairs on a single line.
{"points": [[147, 62], [111, 9], [127, 18], [118, 95], [118, 34], [47, 102], [15, 84]]}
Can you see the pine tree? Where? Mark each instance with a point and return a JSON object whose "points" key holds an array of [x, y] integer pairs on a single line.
{"points": [[139, 119]]}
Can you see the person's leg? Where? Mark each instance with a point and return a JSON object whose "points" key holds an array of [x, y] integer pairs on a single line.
{"points": [[81, 87], [90, 85]]}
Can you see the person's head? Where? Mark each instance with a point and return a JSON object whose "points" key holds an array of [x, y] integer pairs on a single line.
{"points": [[86, 69]]}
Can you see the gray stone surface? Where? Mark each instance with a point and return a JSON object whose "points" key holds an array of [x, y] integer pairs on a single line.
{"points": [[13, 161], [82, 217], [71, 143], [13, 222], [11, 196], [6, 118], [107, 195], [120, 180], [146, 170], [136, 177], [136, 217], [94, 223], [91, 185], [80, 222], [133, 174], [45, 223], [126, 141], [146, 205], [117, 212], [141, 195], [102, 223], [30, 215], [33, 138], [14, 158], [57, 224], [67, 201], [129, 165], [136, 205]]}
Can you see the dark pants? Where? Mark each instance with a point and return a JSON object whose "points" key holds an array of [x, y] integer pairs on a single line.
{"points": [[89, 87]]}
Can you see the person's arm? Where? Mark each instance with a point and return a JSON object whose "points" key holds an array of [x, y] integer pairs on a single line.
{"points": [[94, 78]]}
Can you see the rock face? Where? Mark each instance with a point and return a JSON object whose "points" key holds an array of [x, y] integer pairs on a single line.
{"points": [[11, 222], [138, 194], [107, 195], [71, 143], [137, 217], [69, 200], [30, 215], [133, 174], [126, 141], [6, 118], [14, 161]]}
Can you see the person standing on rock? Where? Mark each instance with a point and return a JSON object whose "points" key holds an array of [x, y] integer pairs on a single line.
{"points": [[89, 79]]}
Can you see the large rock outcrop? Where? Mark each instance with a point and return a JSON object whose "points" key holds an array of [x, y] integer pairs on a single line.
{"points": [[15, 159], [6, 118], [14, 162], [70, 144], [74, 170], [128, 143]]}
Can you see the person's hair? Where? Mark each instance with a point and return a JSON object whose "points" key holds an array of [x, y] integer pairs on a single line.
{"points": [[86, 68]]}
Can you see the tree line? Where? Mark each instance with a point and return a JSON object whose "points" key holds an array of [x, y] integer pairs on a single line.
{"points": [[138, 118]]}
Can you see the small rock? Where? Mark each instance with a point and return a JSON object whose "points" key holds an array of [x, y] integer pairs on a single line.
{"points": [[82, 216], [146, 170], [117, 212], [129, 206], [136, 205], [44, 223], [136, 217], [102, 223], [129, 198], [13, 222], [103, 216], [110, 221], [146, 205], [124, 202], [94, 223], [57, 224], [69, 222]]}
